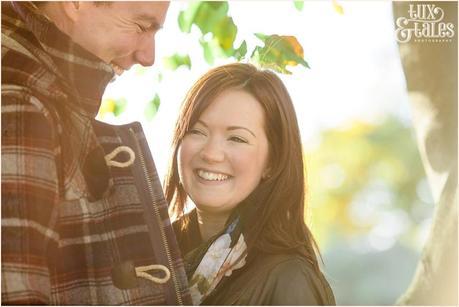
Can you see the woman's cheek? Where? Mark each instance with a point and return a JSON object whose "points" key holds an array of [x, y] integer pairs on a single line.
{"points": [[246, 161]]}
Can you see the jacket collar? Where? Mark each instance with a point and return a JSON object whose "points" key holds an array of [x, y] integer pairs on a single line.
{"points": [[80, 73]]}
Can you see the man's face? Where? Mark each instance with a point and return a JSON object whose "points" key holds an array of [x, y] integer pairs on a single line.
{"points": [[119, 33]]}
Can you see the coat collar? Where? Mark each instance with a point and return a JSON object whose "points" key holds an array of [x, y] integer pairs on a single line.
{"points": [[79, 73]]}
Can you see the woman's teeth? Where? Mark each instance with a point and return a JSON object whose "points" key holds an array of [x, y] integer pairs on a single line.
{"points": [[212, 176]]}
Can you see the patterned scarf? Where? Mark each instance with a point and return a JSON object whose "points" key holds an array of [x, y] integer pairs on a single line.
{"points": [[216, 259]]}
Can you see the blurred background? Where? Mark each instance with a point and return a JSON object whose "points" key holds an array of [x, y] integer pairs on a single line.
{"points": [[369, 203]]}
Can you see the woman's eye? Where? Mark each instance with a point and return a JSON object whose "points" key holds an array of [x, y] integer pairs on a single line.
{"points": [[238, 139], [196, 131]]}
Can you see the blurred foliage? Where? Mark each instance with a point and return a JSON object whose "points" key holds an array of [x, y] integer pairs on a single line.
{"points": [[152, 107], [140, 70], [360, 175], [369, 208], [299, 5], [112, 106], [338, 7], [175, 61]]}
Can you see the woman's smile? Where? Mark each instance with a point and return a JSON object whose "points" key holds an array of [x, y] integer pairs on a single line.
{"points": [[212, 176]]}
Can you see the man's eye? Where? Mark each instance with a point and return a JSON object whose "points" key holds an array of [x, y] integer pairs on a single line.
{"points": [[142, 28], [238, 139]]}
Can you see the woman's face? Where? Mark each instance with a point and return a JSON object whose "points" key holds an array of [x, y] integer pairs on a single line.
{"points": [[224, 155]]}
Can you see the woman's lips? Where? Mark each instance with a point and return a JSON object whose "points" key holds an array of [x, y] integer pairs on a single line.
{"points": [[211, 177]]}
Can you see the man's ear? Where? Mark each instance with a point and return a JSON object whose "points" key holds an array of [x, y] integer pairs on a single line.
{"points": [[72, 9]]}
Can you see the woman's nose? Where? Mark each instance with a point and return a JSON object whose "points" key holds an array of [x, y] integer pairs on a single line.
{"points": [[212, 152]]}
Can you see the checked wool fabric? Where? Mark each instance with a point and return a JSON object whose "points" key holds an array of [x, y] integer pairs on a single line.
{"points": [[75, 228]]}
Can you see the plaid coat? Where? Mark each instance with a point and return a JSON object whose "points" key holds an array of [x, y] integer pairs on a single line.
{"points": [[84, 220]]}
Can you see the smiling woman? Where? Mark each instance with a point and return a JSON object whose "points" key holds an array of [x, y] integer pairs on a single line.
{"points": [[224, 155], [237, 155]]}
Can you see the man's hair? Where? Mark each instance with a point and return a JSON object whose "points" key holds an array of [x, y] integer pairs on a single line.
{"points": [[275, 209], [96, 3], [102, 3]]}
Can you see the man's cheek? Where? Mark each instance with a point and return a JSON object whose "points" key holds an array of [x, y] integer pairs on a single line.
{"points": [[126, 46]]}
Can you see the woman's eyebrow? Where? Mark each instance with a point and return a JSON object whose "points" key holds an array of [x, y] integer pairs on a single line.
{"points": [[230, 128], [243, 128], [202, 123]]}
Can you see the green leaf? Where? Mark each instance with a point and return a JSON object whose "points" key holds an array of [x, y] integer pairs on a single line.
{"points": [[119, 106], [261, 36], [204, 14], [217, 28], [210, 14], [208, 52], [279, 52], [186, 18], [298, 5], [225, 32], [240, 52], [152, 107], [183, 23], [175, 61], [212, 50]]}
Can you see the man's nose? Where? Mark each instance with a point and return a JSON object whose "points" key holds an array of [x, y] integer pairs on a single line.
{"points": [[145, 53], [212, 152]]}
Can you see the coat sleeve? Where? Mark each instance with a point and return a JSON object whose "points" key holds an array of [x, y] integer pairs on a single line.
{"points": [[294, 282], [30, 193]]}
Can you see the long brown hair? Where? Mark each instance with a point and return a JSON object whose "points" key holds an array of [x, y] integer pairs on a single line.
{"points": [[278, 225]]}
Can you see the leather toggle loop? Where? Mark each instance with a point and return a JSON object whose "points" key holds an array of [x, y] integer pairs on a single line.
{"points": [[109, 157], [141, 271], [125, 275]]}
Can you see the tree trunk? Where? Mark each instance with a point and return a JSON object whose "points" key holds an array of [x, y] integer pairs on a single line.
{"points": [[431, 75]]}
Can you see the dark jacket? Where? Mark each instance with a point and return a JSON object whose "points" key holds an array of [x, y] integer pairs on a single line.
{"points": [[268, 279], [76, 229]]}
